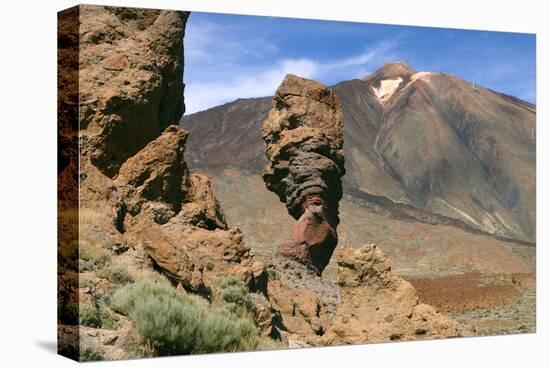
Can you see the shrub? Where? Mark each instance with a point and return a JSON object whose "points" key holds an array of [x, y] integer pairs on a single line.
{"points": [[116, 274], [91, 353], [209, 264], [67, 349], [272, 274], [88, 315], [234, 294], [85, 282], [175, 323], [67, 255], [93, 257], [154, 277], [96, 316]]}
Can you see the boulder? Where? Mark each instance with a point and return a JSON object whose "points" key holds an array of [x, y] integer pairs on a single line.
{"points": [[195, 257], [155, 180]]}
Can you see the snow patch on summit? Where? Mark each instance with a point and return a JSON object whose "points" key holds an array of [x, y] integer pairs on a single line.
{"points": [[387, 88]]}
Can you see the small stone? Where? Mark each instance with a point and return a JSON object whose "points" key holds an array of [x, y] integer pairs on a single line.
{"points": [[110, 339], [116, 62]]}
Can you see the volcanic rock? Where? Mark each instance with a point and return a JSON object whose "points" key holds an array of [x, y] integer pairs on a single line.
{"points": [[439, 151], [131, 80], [303, 136], [156, 178], [303, 303], [379, 306], [195, 257]]}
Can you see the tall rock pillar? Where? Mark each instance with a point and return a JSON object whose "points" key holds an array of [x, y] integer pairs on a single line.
{"points": [[304, 138]]}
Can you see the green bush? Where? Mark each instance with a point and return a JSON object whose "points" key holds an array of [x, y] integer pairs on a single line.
{"points": [[234, 294], [209, 264], [116, 274], [175, 323], [96, 317], [85, 282]]}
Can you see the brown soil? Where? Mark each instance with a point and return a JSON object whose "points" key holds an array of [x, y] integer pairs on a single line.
{"points": [[470, 291]]}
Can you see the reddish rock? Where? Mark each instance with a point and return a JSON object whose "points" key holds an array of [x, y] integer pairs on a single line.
{"points": [[303, 136]]}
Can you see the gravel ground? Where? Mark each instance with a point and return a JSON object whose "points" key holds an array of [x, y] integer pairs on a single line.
{"points": [[513, 318]]}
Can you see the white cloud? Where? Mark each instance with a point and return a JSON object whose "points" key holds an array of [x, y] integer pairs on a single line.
{"points": [[199, 96], [224, 63], [202, 95]]}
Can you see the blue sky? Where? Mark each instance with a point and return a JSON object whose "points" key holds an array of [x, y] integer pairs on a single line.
{"points": [[232, 56]]}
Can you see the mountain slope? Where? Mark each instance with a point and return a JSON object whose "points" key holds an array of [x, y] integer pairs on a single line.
{"points": [[449, 151]]}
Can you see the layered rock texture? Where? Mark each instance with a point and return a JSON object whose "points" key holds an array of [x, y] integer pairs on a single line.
{"points": [[366, 303], [145, 216], [304, 145]]}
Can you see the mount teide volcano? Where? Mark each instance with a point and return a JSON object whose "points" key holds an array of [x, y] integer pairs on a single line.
{"points": [[439, 171]]}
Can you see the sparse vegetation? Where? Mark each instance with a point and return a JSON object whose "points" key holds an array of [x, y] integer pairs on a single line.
{"points": [[175, 323], [92, 256], [67, 313], [234, 295], [209, 264], [116, 274], [154, 277], [91, 353], [84, 282], [96, 316], [272, 274]]}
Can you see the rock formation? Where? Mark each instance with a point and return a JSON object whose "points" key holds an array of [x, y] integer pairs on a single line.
{"points": [[134, 176], [367, 304], [303, 136], [379, 306], [140, 207], [303, 302], [142, 210], [131, 80]]}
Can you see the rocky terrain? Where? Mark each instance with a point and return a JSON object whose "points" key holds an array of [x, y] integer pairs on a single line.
{"points": [[149, 265], [440, 175], [477, 138]]}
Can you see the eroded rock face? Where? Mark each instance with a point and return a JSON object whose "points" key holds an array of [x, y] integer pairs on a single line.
{"points": [[303, 302], [131, 80], [138, 198], [303, 136], [155, 180], [196, 257], [379, 306]]}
